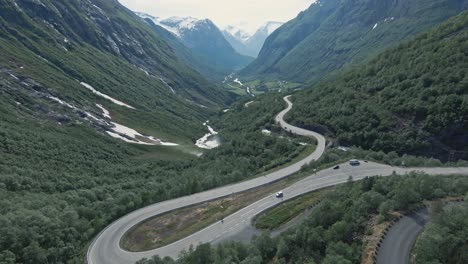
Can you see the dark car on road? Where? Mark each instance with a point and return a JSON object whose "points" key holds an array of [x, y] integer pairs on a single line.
{"points": [[279, 195], [337, 167]]}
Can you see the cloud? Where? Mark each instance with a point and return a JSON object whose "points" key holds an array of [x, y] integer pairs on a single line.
{"points": [[250, 14]]}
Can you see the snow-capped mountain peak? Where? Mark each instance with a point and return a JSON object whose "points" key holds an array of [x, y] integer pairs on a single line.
{"points": [[177, 25], [238, 33], [247, 43], [271, 26], [182, 23]]}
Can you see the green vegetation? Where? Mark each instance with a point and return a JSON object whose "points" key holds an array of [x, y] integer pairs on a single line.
{"points": [[285, 212], [58, 60], [410, 99], [334, 34], [335, 156], [61, 184], [333, 232], [167, 228], [444, 240], [62, 179]]}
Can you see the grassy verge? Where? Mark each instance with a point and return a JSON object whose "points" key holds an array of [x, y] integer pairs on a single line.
{"points": [[277, 216], [309, 149], [172, 226]]}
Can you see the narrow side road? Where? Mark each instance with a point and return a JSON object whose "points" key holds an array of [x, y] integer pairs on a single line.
{"points": [[399, 241]]}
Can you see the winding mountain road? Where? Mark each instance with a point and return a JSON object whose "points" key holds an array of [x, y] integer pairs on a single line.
{"points": [[106, 249], [397, 245]]}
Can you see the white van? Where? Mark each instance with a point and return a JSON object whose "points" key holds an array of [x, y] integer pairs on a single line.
{"points": [[354, 162]]}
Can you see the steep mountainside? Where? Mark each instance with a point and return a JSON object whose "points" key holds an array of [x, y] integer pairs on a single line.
{"points": [[411, 99], [197, 62], [79, 81], [237, 38], [334, 33], [255, 43], [247, 44], [81, 52], [205, 40]]}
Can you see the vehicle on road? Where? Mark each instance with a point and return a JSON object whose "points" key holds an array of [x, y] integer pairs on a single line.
{"points": [[337, 167], [279, 195], [354, 162]]}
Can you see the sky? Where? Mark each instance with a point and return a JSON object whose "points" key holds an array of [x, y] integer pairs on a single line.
{"points": [[246, 14]]}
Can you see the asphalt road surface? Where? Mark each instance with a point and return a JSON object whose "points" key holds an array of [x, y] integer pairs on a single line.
{"points": [[399, 241], [397, 245], [106, 249]]}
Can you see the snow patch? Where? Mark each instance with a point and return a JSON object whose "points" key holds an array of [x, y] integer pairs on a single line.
{"points": [[116, 130], [345, 149], [105, 112], [167, 85], [238, 33], [115, 101], [145, 71], [62, 102], [209, 140], [246, 87], [13, 76], [249, 103], [175, 25]]}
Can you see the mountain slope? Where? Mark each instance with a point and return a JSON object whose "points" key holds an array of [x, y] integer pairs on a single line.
{"points": [[197, 62], [255, 43], [411, 99], [334, 33], [205, 40], [102, 45], [247, 44], [237, 38]]}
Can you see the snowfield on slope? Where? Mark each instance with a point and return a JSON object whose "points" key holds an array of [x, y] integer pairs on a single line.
{"points": [[115, 101], [209, 140], [114, 129]]}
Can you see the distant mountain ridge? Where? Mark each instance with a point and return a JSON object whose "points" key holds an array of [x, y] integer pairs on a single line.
{"points": [[332, 34], [205, 40], [246, 43]]}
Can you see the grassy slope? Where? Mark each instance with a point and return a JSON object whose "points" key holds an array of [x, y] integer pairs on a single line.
{"points": [[408, 99], [335, 33], [62, 184], [85, 57]]}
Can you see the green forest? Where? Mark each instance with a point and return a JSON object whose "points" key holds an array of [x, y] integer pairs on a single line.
{"points": [[444, 240], [409, 99], [63, 179], [61, 185], [334, 34], [333, 233]]}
